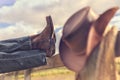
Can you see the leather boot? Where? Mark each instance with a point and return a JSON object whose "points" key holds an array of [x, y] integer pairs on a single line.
{"points": [[46, 39]]}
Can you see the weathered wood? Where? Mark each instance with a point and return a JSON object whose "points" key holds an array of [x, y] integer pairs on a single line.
{"points": [[56, 61], [52, 62], [2, 77], [100, 64], [16, 75], [27, 74], [8, 76]]}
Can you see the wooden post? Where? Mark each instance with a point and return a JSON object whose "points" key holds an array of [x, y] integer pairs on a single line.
{"points": [[2, 77], [8, 76], [53, 62], [27, 74], [16, 75]]}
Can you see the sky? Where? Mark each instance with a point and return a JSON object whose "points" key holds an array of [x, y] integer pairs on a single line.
{"points": [[27, 17]]}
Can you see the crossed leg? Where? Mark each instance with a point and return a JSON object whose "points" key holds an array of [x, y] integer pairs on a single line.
{"points": [[27, 52]]}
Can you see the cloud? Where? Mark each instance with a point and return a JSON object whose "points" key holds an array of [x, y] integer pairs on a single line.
{"points": [[17, 30], [117, 2], [33, 12], [116, 17], [101, 5], [58, 32], [116, 20]]}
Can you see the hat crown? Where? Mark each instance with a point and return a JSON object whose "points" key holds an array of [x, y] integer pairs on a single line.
{"points": [[81, 34], [76, 29]]}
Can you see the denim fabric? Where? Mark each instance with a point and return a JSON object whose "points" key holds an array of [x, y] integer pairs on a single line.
{"points": [[17, 54], [11, 45]]}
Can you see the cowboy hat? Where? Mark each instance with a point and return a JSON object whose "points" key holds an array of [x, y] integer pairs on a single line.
{"points": [[81, 33]]}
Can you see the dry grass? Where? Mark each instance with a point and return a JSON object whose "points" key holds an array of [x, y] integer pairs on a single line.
{"points": [[117, 60], [50, 74], [60, 73], [53, 74]]}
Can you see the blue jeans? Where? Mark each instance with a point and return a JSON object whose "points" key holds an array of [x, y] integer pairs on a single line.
{"points": [[17, 54]]}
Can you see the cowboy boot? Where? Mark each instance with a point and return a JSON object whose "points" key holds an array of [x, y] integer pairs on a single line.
{"points": [[46, 39]]}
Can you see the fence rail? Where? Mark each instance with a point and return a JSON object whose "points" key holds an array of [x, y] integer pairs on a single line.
{"points": [[52, 62]]}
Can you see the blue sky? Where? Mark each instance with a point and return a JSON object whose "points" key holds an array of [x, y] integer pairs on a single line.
{"points": [[27, 17], [5, 25], [6, 3]]}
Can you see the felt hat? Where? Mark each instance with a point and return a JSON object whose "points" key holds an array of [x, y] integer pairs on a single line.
{"points": [[81, 33]]}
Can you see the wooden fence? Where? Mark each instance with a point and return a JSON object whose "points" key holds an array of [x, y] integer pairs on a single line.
{"points": [[53, 62]]}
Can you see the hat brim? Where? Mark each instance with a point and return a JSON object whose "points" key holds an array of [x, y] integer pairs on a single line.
{"points": [[71, 60], [75, 61]]}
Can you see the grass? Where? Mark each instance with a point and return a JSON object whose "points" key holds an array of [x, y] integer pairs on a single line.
{"points": [[53, 74], [50, 72], [60, 73], [117, 60]]}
